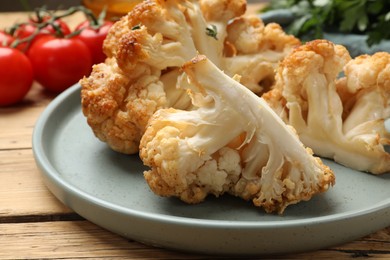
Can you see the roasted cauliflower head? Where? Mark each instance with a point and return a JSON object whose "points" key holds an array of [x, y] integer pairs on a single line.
{"points": [[146, 49], [224, 146], [341, 118]]}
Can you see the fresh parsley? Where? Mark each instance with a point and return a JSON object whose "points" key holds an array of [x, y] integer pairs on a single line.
{"points": [[212, 31], [136, 27], [370, 17]]}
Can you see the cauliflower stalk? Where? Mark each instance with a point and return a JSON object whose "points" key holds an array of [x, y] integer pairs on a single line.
{"points": [[147, 47], [231, 141], [339, 118]]}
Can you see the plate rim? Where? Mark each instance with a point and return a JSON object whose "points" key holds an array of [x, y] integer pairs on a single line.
{"points": [[55, 183], [40, 156]]}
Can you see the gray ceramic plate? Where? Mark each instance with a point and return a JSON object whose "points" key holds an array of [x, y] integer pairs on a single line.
{"points": [[108, 189]]}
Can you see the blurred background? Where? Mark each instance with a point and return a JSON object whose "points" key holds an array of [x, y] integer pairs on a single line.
{"points": [[27, 5]]}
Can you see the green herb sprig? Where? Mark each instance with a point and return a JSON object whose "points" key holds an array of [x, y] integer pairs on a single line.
{"points": [[212, 31], [370, 17]]}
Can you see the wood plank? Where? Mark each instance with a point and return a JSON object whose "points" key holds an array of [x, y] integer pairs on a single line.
{"points": [[17, 121], [84, 240], [22, 191], [32, 222], [73, 240]]}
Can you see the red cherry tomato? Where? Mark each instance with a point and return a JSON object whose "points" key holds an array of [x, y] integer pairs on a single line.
{"points": [[5, 39], [62, 26], [93, 38], [23, 32], [16, 76], [26, 30], [29, 28], [59, 63]]}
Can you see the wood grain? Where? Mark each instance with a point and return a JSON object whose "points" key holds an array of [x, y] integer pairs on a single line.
{"points": [[84, 240], [22, 191], [17, 122], [35, 225]]}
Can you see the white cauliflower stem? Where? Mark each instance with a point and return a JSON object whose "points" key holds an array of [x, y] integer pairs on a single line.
{"points": [[339, 118], [233, 142]]}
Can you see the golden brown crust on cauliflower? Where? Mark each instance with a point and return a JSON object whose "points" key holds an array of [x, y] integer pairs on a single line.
{"points": [[249, 35], [217, 10], [146, 48], [253, 51], [364, 74], [259, 158]]}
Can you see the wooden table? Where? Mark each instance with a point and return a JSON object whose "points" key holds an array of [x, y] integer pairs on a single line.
{"points": [[35, 225]]}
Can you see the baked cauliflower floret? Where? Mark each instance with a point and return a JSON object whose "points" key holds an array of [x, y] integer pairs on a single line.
{"points": [[222, 10], [110, 123], [255, 50], [226, 145], [339, 118], [367, 87], [145, 50]]}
